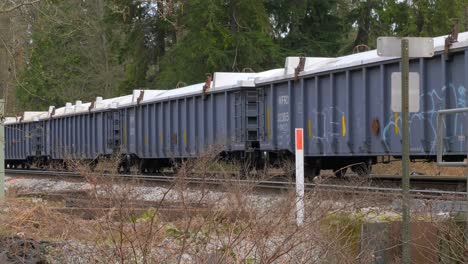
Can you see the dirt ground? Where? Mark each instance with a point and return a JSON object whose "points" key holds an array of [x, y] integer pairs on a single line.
{"points": [[426, 168]]}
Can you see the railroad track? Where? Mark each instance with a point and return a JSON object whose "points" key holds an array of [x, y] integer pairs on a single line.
{"points": [[274, 184]]}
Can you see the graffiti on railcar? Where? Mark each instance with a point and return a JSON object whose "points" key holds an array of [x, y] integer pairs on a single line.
{"points": [[437, 102]]}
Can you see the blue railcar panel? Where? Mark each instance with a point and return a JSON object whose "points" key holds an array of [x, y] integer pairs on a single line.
{"points": [[17, 142], [101, 134], [200, 125], [183, 127], [131, 116], [161, 123], [176, 128], [152, 131], [166, 129], [146, 128], [281, 104], [220, 120], [348, 112], [191, 129], [175, 140], [139, 131]]}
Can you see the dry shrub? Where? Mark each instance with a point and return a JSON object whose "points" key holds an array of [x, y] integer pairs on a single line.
{"points": [[233, 222], [37, 220], [427, 168]]}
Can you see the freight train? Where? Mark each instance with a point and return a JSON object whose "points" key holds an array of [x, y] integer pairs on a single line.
{"points": [[343, 104]]}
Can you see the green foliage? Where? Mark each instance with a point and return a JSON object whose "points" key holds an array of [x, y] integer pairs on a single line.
{"points": [[220, 36], [311, 27], [433, 18], [139, 45], [345, 228], [82, 49], [148, 215], [417, 18], [70, 56]]}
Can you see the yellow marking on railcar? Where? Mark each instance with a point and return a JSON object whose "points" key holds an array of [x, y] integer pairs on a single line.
{"points": [[160, 138], [343, 126], [185, 137], [395, 118], [268, 122], [309, 129], [145, 140]]}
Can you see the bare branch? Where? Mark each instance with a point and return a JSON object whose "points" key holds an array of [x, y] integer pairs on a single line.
{"points": [[10, 9]]}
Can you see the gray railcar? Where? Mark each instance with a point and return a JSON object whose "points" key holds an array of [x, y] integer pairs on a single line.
{"points": [[343, 104], [347, 117], [83, 136], [185, 127]]}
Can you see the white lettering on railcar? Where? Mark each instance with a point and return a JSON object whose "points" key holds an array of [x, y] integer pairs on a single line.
{"points": [[283, 99], [283, 117]]}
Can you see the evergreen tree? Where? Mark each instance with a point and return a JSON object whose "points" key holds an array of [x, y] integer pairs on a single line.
{"points": [[310, 27], [70, 55], [416, 18], [435, 17], [150, 29], [219, 35], [81, 49]]}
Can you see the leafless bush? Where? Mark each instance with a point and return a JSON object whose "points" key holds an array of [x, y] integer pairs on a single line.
{"points": [[228, 222]]}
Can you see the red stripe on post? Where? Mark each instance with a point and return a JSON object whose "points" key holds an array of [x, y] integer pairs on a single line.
{"points": [[299, 143]]}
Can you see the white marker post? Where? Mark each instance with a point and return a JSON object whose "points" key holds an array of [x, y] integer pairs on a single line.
{"points": [[299, 176]]}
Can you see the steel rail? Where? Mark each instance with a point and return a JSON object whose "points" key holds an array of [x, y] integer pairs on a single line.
{"points": [[264, 184]]}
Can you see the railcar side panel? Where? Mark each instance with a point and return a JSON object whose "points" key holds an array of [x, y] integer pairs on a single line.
{"points": [[17, 142], [348, 112]]}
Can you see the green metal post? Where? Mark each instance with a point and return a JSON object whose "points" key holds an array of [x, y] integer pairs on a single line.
{"points": [[406, 237], [2, 150]]}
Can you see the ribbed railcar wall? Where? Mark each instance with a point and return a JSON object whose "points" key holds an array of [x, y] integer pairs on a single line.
{"points": [[77, 137], [180, 127], [25, 140], [348, 112], [17, 145]]}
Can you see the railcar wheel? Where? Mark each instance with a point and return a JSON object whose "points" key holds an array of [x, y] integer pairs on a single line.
{"points": [[143, 167], [125, 165], [124, 169]]}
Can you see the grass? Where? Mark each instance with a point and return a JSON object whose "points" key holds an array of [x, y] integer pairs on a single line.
{"points": [[427, 168]]}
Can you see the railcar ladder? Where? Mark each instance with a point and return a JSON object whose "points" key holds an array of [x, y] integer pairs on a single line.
{"points": [[239, 117], [114, 130], [254, 117], [249, 118], [37, 138]]}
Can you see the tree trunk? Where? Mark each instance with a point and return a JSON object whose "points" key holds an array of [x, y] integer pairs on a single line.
{"points": [[364, 25], [4, 54], [466, 17], [233, 22]]}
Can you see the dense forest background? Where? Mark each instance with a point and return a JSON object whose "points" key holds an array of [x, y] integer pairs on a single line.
{"points": [[53, 51]]}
